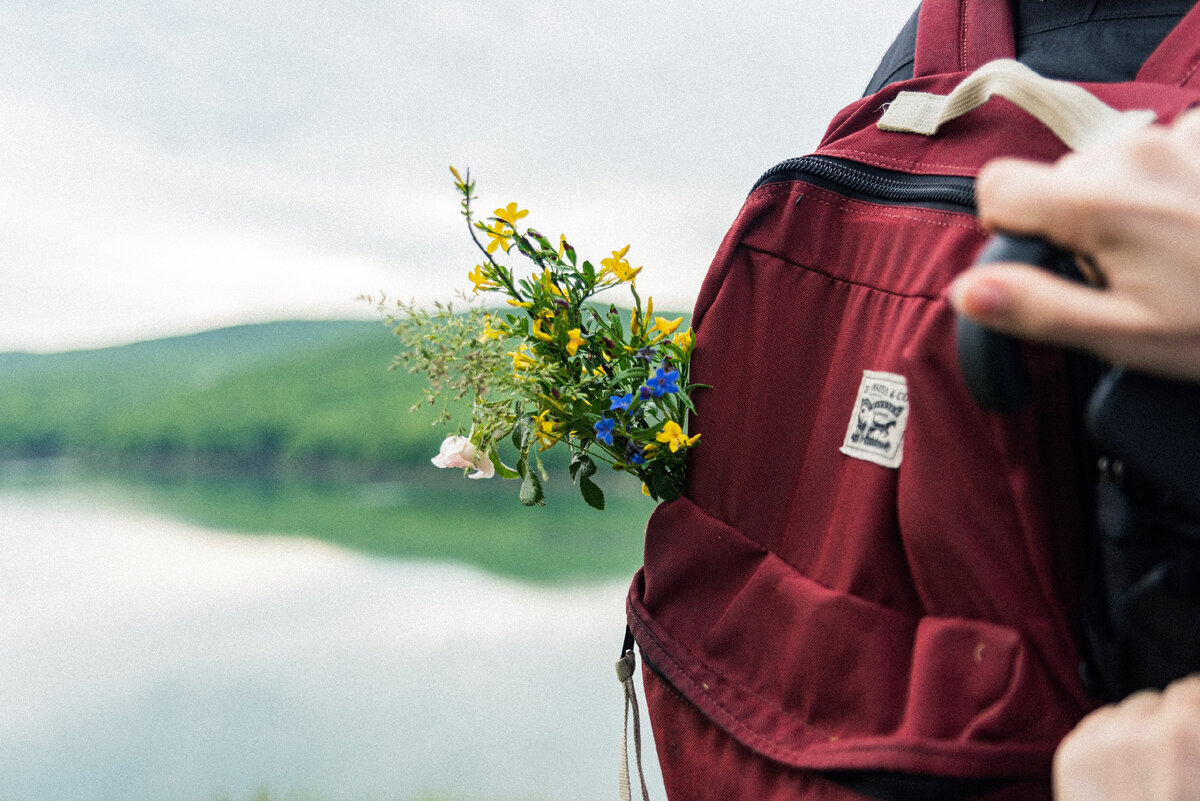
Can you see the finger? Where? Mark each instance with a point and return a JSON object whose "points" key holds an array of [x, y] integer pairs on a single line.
{"points": [[1185, 690], [1024, 197], [1034, 304], [1187, 127]]}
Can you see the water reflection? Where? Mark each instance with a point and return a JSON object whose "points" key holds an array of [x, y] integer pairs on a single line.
{"points": [[146, 658], [429, 514]]}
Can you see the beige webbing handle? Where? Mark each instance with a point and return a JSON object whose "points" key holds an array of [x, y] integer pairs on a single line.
{"points": [[1077, 117]]}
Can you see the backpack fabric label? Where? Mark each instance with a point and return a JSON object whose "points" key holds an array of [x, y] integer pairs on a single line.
{"points": [[877, 422]]}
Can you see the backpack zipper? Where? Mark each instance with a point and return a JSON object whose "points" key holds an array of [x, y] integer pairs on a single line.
{"points": [[876, 185]]}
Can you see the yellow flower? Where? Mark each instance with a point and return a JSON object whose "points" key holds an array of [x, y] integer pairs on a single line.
{"points": [[574, 341], [619, 266], [645, 490], [539, 333], [520, 304], [547, 279], [545, 432], [636, 322], [489, 332], [510, 214], [665, 327], [684, 340], [521, 358], [480, 279], [616, 256], [672, 435], [500, 237]]}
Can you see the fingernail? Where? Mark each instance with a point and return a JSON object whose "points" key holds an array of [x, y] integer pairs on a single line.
{"points": [[979, 297]]}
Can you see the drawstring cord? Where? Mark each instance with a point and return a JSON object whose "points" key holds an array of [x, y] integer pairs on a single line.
{"points": [[626, 667]]}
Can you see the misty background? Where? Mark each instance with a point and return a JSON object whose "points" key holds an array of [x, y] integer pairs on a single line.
{"points": [[167, 167]]}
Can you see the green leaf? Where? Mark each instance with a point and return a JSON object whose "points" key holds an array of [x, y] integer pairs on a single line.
{"points": [[542, 241], [531, 490], [662, 486], [582, 467], [502, 470], [523, 433], [522, 438], [592, 494], [618, 327], [638, 373]]}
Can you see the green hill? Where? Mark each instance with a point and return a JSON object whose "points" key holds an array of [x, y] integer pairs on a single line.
{"points": [[286, 396]]}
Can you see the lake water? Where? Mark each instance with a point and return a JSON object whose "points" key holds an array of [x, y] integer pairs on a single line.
{"points": [[142, 657]]}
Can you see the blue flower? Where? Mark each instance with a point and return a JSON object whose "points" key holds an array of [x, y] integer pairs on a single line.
{"points": [[645, 392], [604, 430], [647, 353], [663, 382], [620, 402], [634, 453]]}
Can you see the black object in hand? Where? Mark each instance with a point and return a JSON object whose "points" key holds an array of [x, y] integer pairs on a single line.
{"points": [[990, 361]]}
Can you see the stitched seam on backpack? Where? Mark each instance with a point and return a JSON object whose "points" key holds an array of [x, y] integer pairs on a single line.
{"points": [[884, 161], [751, 735], [962, 37], [856, 207], [780, 188], [868, 209], [1190, 73], [842, 280], [952, 219]]}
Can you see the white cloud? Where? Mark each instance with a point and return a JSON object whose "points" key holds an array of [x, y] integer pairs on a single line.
{"points": [[166, 168]]}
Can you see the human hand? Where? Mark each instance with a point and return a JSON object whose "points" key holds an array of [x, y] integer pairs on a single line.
{"points": [[1146, 748], [1132, 209]]}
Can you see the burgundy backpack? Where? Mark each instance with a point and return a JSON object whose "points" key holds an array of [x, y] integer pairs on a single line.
{"points": [[870, 580]]}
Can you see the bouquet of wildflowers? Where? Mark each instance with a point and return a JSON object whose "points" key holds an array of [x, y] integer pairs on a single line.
{"points": [[551, 367]]}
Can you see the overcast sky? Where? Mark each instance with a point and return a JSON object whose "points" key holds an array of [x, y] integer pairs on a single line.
{"points": [[173, 165]]}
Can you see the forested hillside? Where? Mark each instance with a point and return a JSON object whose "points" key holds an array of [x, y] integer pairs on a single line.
{"points": [[289, 396]]}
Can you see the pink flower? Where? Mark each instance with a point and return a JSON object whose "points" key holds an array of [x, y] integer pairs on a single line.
{"points": [[460, 452]]}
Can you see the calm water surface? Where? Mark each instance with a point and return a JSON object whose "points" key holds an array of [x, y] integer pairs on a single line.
{"points": [[145, 658]]}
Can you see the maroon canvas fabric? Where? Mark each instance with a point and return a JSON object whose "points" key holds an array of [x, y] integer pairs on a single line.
{"points": [[700, 762], [955, 36], [813, 611], [1177, 60]]}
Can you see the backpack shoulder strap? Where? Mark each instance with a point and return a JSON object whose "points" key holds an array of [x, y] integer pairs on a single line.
{"points": [[1176, 61], [962, 35]]}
